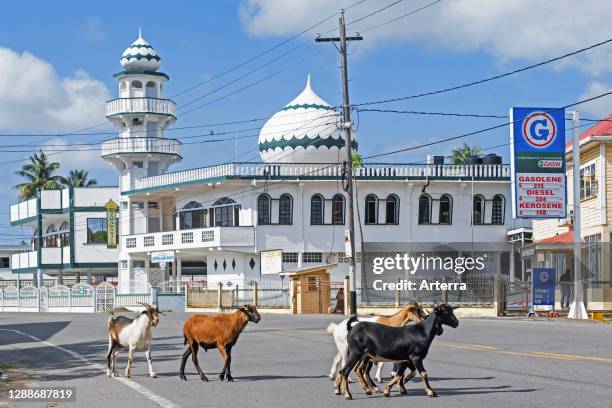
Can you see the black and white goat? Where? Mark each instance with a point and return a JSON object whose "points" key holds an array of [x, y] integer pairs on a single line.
{"points": [[407, 345], [133, 334]]}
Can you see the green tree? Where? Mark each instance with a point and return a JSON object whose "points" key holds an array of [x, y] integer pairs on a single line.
{"points": [[39, 175], [466, 151], [78, 178]]}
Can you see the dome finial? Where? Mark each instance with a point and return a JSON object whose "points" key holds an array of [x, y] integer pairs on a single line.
{"points": [[140, 32], [308, 85]]}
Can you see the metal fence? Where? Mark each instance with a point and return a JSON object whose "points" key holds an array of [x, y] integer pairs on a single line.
{"points": [[81, 297], [264, 294]]}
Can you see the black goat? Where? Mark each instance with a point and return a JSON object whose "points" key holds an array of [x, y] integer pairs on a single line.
{"points": [[408, 345]]}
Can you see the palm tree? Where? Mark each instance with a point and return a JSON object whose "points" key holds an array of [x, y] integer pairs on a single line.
{"points": [[78, 178], [39, 173], [459, 154]]}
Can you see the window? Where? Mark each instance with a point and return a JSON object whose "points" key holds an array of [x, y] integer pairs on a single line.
{"points": [[497, 214], [263, 209], [150, 90], [312, 257], [588, 183], [392, 210], [136, 84], [138, 205], [338, 209], [285, 210], [124, 205], [130, 242], [445, 215], [4, 263], [371, 209], [123, 264], [138, 264], [225, 213], [138, 164], [317, 209], [96, 231], [313, 283], [64, 234], [425, 209], [192, 216], [478, 210], [290, 257], [50, 237]]}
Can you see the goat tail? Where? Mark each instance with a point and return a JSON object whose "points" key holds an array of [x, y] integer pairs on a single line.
{"points": [[185, 340], [331, 328], [349, 323], [111, 320]]}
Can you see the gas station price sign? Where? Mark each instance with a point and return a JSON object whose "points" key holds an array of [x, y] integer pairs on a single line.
{"points": [[537, 149]]}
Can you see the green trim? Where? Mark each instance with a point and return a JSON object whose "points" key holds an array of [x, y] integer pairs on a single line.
{"points": [[53, 211], [290, 178], [89, 209], [136, 45], [307, 106], [24, 220], [140, 72], [304, 142], [85, 265], [141, 56]]}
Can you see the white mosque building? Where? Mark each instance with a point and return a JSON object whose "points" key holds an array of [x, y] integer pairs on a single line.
{"points": [[221, 217]]}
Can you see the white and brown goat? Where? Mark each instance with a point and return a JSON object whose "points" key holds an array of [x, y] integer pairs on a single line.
{"points": [[133, 334]]}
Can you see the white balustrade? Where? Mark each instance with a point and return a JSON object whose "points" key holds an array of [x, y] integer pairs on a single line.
{"points": [[141, 145], [140, 105]]}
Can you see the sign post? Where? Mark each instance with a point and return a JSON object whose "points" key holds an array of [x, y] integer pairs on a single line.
{"points": [[543, 289], [111, 223], [537, 139]]}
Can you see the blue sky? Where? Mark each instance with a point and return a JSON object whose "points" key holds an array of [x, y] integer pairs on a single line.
{"points": [[60, 57]]}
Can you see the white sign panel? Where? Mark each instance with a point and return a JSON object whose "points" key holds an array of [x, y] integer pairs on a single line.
{"points": [[271, 262], [162, 257]]}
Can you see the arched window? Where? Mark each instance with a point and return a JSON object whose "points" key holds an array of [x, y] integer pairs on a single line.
{"points": [[425, 209], [137, 89], [136, 84], [150, 91], [478, 211], [392, 209], [338, 209], [285, 209], [263, 209], [445, 215], [497, 214], [35, 240], [317, 209], [64, 234], [123, 91], [226, 213], [371, 209], [50, 238], [192, 215]]}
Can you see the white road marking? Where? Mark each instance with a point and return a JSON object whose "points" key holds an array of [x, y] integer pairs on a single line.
{"points": [[158, 399]]}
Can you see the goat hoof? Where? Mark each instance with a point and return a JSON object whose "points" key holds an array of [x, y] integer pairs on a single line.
{"points": [[348, 397], [337, 392], [204, 378], [230, 378], [387, 394], [182, 377], [222, 377], [153, 375], [368, 392], [432, 395]]}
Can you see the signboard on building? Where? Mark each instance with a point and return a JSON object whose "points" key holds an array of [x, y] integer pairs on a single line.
{"points": [[111, 224], [162, 257], [544, 280], [537, 149], [271, 262]]}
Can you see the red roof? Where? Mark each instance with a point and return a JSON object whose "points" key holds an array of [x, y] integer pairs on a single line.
{"points": [[564, 238], [601, 128]]}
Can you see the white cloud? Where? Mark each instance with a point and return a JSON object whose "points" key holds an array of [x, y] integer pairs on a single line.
{"points": [[33, 97], [599, 108], [526, 29], [93, 29]]}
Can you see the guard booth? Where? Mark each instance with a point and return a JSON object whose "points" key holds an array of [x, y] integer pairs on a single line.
{"points": [[310, 289]]}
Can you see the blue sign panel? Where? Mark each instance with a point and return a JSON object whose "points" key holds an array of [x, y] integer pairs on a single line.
{"points": [[544, 281], [537, 138]]}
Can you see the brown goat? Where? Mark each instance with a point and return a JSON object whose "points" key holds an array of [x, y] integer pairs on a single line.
{"points": [[220, 331]]}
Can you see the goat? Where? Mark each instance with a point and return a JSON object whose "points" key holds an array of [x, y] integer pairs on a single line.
{"points": [[135, 334], [220, 331], [408, 345], [410, 312]]}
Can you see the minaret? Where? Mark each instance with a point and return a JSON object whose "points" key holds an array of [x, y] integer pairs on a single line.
{"points": [[142, 116]]}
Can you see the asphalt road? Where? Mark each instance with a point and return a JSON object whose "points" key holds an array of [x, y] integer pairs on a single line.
{"points": [[283, 362]]}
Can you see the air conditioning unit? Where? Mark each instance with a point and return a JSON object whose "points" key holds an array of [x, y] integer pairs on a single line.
{"points": [[568, 221]]}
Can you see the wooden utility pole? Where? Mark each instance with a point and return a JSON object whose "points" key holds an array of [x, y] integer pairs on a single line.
{"points": [[348, 164]]}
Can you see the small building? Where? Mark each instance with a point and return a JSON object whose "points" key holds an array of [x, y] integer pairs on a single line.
{"points": [[311, 289]]}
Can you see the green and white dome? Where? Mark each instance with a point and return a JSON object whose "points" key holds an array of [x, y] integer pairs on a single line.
{"points": [[304, 131], [140, 56]]}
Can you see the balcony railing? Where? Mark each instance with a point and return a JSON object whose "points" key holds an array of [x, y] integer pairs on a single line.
{"points": [[303, 170], [141, 145], [140, 105], [194, 238]]}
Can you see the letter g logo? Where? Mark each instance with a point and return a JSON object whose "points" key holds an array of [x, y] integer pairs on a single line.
{"points": [[539, 130]]}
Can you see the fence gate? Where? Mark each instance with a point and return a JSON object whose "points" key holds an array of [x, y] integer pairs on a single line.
{"points": [[105, 297], [517, 297]]}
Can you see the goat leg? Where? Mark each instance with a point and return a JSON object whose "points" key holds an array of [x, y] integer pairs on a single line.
{"points": [[360, 378], [194, 358], [111, 347], [148, 356], [130, 360], [186, 355], [334, 368], [419, 365], [366, 375]]}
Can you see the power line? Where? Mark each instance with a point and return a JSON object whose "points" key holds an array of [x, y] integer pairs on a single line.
{"points": [[400, 16], [489, 79]]}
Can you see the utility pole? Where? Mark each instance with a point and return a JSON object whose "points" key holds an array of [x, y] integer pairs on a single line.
{"points": [[348, 164]]}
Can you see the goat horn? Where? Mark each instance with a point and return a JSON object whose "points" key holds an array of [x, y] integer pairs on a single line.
{"points": [[148, 306]]}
